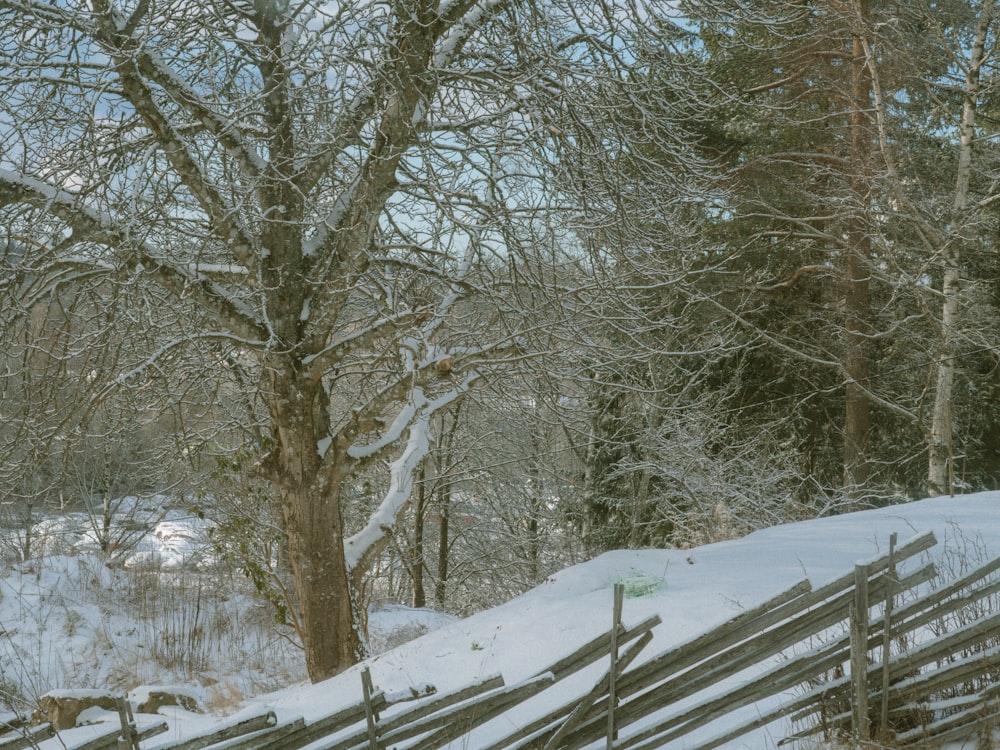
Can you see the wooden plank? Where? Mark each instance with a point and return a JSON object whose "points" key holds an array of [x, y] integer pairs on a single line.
{"points": [[936, 603], [29, 737], [235, 729], [370, 716], [904, 664], [742, 656], [860, 726], [775, 681], [272, 738], [440, 703], [782, 607], [408, 724], [887, 606], [601, 688], [129, 735], [916, 617], [478, 715], [696, 649], [595, 650], [545, 723], [909, 695], [616, 621], [955, 727], [739, 657], [784, 677], [335, 722], [109, 740]]}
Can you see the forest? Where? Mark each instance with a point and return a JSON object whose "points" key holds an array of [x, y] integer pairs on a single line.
{"points": [[426, 299]]}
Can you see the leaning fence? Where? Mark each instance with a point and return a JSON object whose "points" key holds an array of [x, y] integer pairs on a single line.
{"points": [[864, 657]]}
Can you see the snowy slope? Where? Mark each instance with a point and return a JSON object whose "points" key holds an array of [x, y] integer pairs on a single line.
{"points": [[690, 590], [694, 590]]}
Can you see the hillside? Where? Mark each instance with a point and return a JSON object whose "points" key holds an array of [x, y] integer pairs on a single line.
{"points": [[690, 590], [693, 590]]}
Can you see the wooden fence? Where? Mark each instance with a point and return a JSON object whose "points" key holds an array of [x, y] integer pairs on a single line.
{"points": [[869, 656]]}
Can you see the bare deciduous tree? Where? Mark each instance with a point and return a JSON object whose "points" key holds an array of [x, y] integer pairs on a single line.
{"points": [[339, 193]]}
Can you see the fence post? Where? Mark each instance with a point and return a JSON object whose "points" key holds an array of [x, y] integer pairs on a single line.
{"points": [[129, 738], [370, 716], [859, 657], [616, 621], [890, 595]]}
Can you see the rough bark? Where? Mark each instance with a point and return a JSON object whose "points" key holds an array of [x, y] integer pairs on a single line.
{"points": [[940, 469], [309, 486], [417, 554], [857, 407]]}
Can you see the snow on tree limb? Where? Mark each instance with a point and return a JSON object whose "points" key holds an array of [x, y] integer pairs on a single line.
{"points": [[90, 225], [362, 547]]}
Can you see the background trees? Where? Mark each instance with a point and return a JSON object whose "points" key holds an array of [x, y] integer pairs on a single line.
{"points": [[347, 201], [586, 277]]}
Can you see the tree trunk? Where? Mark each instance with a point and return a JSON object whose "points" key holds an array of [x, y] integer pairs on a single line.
{"points": [[940, 471], [444, 514], [417, 555], [856, 296], [330, 625], [310, 493]]}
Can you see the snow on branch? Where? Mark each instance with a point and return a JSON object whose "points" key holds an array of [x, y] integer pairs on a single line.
{"points": [[123, 378], [361, 337], [224, 128], [20, 188], [362, 547], [91, 225], [459, 34]]}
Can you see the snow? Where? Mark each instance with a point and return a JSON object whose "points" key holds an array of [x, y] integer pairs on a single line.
{"points": [[690, 590], [416, 416]]}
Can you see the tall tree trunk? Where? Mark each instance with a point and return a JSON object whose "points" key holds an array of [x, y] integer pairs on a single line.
{"points": [[940, 470], [310, 493], [444, 542], [535, 495], [417, 554], [856, 296]]}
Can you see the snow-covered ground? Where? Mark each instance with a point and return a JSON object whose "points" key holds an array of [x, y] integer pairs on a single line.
{"points": [[691, 591], [157, 610]]}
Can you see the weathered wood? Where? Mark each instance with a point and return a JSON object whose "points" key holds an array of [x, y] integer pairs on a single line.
{"points": [[616, 621], [943, 648], [742, 642], [755, 622], [128, 739], [29, 737], [370, 717], [272, 738], [916, 615], [479, 714], [541, 726], [784, 677], [595, 650], [745, 655], [890, 598], [111, 739], [697, 649], [408, 724], [438, 704], [779, 679], [601, 688], [236, 729], [860, 725], [908, 695], [955, 727], [907, 687]]}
